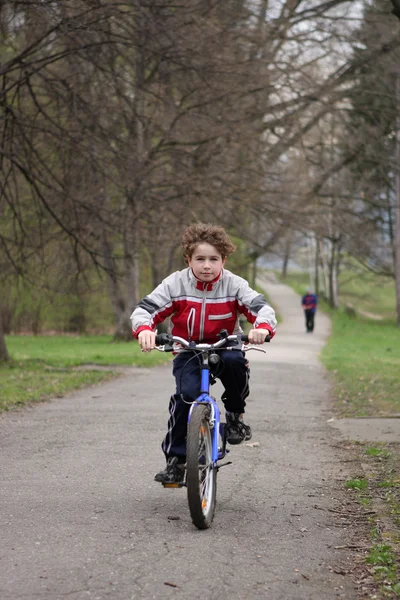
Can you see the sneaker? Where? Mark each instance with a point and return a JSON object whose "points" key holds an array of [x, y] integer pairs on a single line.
{"points": [[237, 431], [174, 471]]}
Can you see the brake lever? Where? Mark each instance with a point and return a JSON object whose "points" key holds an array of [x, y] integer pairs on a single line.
{"points": [[247, 348], [165, 348]]}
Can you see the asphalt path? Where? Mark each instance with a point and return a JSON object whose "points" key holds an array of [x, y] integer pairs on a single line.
{"points": [[81, 516]]}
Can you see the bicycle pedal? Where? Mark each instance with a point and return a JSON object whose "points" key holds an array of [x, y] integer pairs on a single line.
{"points": [[173, 485]]}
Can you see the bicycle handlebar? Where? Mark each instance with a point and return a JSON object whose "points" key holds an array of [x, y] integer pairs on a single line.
{"points": [[164, 339]]}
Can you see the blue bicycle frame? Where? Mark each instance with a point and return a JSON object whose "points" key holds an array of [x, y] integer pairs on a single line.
{"points": [[215, 417]]}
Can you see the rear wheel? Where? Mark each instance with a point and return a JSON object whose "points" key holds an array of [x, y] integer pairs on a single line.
{"points": [[201, 476]]}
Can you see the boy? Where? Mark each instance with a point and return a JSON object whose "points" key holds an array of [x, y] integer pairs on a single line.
{"points": [[201, 300]]}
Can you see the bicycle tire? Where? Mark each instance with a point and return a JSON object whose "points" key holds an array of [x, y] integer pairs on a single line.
{"points": [[201, 476]]}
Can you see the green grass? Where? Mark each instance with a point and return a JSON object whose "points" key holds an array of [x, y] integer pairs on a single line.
{"points": [[67, 351], [29, 381], [43, 367], [368, 293], [378, 492], [357, 484], [384, 468], [377, 452], [384, 567], [365, 359]]}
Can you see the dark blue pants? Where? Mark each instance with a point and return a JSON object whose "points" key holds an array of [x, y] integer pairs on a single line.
{"points": [[234, 377], [309, 314]]}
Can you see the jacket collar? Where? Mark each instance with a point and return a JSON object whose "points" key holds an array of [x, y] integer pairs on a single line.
{"points": [[205, 285]]}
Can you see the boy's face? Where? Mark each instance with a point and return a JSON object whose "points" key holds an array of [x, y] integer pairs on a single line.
{"points": [[206, 262]]}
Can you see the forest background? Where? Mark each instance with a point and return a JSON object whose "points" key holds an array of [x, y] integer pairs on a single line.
{"points": [[123, 122]]}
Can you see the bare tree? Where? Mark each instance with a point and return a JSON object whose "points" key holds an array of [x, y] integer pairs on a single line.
{"points": [[122, 122]]}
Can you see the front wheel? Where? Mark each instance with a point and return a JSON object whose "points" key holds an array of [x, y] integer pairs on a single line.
{"points": [[201, 476]]}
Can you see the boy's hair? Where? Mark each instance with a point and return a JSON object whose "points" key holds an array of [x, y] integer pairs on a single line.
{"points": [[206, 233]]}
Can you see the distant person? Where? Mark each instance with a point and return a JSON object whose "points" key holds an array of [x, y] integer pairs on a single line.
{"points": [[309, 303]]}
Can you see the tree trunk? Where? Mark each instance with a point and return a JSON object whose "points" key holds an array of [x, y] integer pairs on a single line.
{"points": [[132, 258], [333, 265], [286, 257], [123, 331], [316, 273], [121, 310], [4, 356], [135, 194], [397, 206], [325, 268]]}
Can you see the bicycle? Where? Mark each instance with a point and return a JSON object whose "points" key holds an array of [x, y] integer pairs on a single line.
{"points": [[206, 434]]}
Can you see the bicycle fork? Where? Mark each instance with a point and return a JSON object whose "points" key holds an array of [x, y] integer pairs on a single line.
{"points": [[218, 429]]}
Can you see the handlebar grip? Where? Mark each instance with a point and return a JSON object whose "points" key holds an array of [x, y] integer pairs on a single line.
{"points": [[245, 338], [163, 338]]}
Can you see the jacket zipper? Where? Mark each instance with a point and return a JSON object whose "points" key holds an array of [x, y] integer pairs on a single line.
{"points": [[190, 322], [203, 313]]}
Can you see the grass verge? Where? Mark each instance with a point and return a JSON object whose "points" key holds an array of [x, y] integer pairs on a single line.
{"points": [[32, 381], [364, 357], [378, 491], [44, 367], [68, 351]]}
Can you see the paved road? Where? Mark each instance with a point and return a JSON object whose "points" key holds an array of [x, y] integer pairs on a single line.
{"points": [[82, 518]]}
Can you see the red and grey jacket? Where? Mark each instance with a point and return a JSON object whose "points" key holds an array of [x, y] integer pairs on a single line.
{"points": [[199, 310]]}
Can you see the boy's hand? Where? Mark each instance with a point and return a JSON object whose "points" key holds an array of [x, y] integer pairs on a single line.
{"points": [[257, 336], [147, 340]]}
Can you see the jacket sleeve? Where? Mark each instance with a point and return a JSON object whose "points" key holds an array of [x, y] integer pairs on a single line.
{"points": [[153, 309], [255, 308]]}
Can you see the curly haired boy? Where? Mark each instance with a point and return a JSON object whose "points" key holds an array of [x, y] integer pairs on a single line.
{"points": [[201, 300]]}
